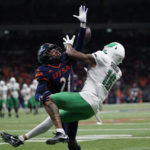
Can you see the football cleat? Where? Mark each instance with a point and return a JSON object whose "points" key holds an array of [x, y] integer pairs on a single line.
{"points": [[13, 140], [59, 137]]}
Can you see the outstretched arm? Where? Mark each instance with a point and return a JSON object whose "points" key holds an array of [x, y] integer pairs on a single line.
{"points": [[76, 55], [82, 17]]}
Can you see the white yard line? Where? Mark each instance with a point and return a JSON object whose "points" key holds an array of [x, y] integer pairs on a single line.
{"points": [[85, 130], [119, 124], [91, 138], [138, 129]]}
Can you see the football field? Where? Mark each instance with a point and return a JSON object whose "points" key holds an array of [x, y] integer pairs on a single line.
{"points": [[125, 127]]}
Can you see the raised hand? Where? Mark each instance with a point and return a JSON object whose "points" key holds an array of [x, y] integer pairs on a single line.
{"points": [[82, 17]]}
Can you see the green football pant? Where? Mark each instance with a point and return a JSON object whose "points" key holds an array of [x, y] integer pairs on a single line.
{"points": [[72, 107], [2, 102], [13, 103], [31, 102]]}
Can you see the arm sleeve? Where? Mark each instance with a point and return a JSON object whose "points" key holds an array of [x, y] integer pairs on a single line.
{"points": [[41, 88], [79, 42], [80, 39]]}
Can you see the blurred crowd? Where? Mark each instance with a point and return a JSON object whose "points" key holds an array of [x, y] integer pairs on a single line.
{"points": [[134, 86]]}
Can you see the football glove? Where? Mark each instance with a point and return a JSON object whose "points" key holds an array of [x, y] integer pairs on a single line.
{"points": [[82, 14], [68, 41]]}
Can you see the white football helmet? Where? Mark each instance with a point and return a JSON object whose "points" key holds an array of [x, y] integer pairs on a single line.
{"points": [[12, 80], [25, 86], [35, 82], [2, 83], [115, 51]]}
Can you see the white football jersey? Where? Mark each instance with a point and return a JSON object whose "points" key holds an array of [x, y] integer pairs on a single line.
{"points": [[100, 80], [3, 92], [25, 92], [13, 88], [33, 89]]}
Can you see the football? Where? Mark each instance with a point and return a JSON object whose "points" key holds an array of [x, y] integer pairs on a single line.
{"points": [[87, 35]]}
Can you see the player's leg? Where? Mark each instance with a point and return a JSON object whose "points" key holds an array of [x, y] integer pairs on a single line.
{"points": [[0, 111], [9, 106], [18, 140], [72, 102], [37, 105], [1, 105], [30, 105], [68, 116], [71, 131], [16, 106], [39, 129], [4, 107], [73, 145], [26, 107], [74, 108]]}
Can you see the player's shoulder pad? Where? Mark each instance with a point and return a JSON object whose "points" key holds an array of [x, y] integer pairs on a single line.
{"points": [[100, 57], [42, 73]]}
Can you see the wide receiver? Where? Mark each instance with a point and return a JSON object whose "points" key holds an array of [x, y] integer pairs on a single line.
{"points": [[55, 74]]}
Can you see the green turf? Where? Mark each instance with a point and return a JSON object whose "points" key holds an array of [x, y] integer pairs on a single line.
{"points": [[132, 120]]}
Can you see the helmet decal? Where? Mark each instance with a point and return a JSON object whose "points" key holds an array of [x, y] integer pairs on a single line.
{"points": [[111, 45], [105, 51]]}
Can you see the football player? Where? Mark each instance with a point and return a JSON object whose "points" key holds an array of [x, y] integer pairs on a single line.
{"points": [[102, 74], [3, 98], [56, 75], [25, 93], [33, 104], [13, 95]]}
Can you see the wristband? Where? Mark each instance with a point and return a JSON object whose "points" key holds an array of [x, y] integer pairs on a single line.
{"points": [[83, 24]]}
